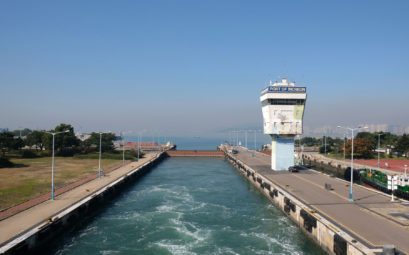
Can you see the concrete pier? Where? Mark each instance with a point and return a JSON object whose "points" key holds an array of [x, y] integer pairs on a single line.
{"points": [[320, 205], [24, 232]]}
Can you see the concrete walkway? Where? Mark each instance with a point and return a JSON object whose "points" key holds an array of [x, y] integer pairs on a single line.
{"points": [[20, 222], [371, 218]]}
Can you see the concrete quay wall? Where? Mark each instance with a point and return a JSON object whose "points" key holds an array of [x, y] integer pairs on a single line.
{"points": [[34, 239], [327, 235], [333, 167]]}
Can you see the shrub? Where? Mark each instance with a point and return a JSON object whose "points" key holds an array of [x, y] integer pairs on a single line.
{"points": [[29, 154], [45, 153], [5, 162]]}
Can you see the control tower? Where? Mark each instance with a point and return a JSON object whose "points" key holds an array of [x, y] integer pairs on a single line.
{"points": [[283, 110]]}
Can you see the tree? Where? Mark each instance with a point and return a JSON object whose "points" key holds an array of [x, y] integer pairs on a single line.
{"points": [[388, 139], [402, 145], [107, 141], [36, 139], [6, 142], [362, 148], [310, 141], [22, 132], [324, 149], [370, 137], [18, 143], [64, 142]]}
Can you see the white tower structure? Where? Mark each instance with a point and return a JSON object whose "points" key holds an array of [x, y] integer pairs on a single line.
{"points": [[283, 110]]}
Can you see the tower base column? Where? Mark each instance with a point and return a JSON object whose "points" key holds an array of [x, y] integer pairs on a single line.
{"points": [[282, 152]]}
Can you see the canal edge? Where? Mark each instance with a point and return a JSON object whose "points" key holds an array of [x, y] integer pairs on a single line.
{"points": [[328, 235], [40, 233]]}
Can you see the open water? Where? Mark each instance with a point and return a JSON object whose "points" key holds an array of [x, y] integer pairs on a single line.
{"points": [[188, 206], [206, 143]]}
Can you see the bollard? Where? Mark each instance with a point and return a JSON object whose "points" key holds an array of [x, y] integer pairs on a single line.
{"points": [[388, 249]]}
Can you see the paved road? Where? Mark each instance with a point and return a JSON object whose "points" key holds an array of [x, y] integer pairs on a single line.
{"points": [[24, 220], [370, 218]]}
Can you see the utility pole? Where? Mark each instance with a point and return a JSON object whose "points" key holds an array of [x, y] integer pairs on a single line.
{"points": [[99, 160], [255, 140], [345, 137], [123, 150], [379, 145], [245, 132]]}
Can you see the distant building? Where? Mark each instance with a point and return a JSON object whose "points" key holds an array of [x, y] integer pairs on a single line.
{"points": [[82, 137], [4, 130]]}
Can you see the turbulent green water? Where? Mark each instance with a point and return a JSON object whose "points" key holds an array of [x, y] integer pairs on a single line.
{"points": [[188, 206]]}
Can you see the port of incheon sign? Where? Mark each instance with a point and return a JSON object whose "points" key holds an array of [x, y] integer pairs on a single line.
{"points": [[277, 89]]}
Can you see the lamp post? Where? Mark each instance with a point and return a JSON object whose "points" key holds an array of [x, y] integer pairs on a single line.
{"points": [[20, 131], [345, 137], [100, 152], [245, 132], [139, 144], [52, 164], [255, 142], [351, 198], [123, 149], [379, 145]]}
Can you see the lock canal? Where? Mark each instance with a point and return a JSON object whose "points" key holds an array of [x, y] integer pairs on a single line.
{"points": [[187, 206]]}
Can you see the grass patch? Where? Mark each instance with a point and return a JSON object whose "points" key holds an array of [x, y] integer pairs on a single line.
{"points": [[110, 155], [32, 177]]}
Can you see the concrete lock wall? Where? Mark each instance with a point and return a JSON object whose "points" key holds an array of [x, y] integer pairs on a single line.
{"points": [[34, 239], [325, 233], [282, 153], [328, 167]]}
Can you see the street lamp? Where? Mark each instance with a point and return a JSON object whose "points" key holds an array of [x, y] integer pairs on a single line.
{"points": [[379, 145], [245, 132], [139, 144], [352, 156], [52, 164], [123, 149], [100, 150], [345, 137]]}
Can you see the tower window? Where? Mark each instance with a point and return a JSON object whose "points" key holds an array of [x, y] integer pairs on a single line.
{"points": [[283, 102]]}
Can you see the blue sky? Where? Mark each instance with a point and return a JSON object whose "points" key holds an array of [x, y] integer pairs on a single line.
{"points": [[194, 67]]}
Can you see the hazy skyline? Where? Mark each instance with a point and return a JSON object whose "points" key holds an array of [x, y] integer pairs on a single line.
{"points": [[190, 67]]}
